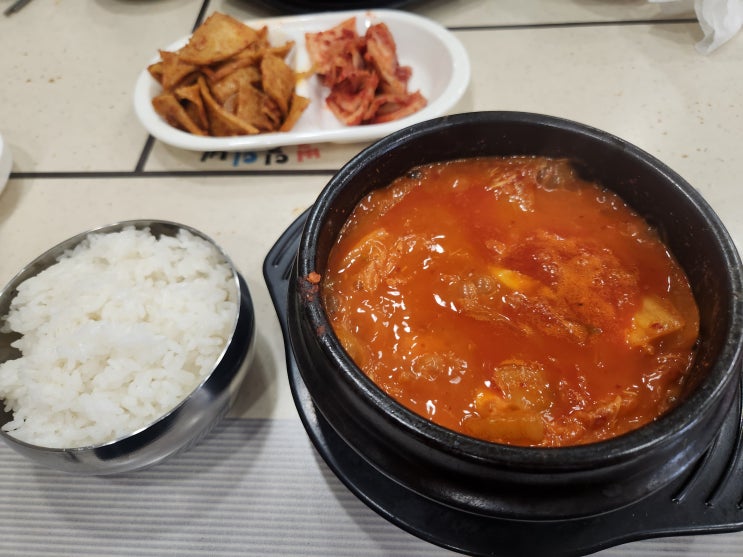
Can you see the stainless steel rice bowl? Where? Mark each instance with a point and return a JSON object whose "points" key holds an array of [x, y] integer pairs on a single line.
{"points": [[175, 430]]}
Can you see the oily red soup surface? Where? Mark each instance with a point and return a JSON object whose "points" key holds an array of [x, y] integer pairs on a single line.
{"points": [[507, 299]]}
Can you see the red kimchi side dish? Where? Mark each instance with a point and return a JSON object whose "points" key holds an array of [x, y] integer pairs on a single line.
{"points": [[366, 81], [510, 300]]}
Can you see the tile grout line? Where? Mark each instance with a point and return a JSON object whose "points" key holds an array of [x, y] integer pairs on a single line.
{"points": [[145, 154], [569, 24], [150, 142], [168, 173]]}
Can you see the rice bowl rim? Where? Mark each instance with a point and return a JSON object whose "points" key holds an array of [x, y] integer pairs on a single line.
{"points": [[51, 257]]}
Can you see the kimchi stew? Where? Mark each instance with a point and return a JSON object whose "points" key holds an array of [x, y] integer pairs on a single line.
{"points": [[511, 300]]}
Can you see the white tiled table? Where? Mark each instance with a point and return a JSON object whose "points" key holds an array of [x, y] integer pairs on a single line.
{"points": [[256, 487]]}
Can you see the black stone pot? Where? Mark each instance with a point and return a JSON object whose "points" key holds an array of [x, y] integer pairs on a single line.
{"points": [[510, 482]]}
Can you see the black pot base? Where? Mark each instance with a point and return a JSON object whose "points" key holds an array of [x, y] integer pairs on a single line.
{"points": [[707, 499]]}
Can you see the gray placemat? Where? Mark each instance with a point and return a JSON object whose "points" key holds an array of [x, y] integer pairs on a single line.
{"points": [[252, 487]]}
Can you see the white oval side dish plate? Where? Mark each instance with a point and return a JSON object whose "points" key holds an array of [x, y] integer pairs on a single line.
{"points": [[441, 71]]}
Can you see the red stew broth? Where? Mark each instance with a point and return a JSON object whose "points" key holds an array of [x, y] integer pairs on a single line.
{"points": [[510, 300]]}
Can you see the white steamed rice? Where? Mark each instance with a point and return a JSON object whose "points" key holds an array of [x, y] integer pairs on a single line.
{"points": [[115, 334]]}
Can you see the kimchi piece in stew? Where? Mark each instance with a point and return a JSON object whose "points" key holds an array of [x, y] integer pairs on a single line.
{"points": [[511, 300]]}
